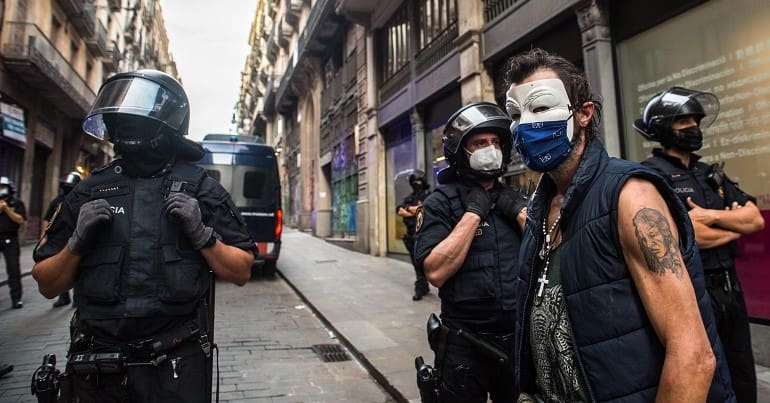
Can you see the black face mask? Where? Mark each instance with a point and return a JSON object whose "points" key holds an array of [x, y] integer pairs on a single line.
{"points": [[417, 186], [687, 139]]}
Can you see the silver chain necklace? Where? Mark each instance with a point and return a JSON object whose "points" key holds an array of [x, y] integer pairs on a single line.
{"points": [[545, 254]]}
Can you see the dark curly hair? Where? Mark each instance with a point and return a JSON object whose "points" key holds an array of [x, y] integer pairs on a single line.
{"points": [[523, 65]]}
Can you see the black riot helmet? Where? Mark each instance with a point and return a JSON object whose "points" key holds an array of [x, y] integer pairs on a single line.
{"points": [[142, 99], [479, 117], [414, 177], [664, 108], [7, 187], [72, 179]]}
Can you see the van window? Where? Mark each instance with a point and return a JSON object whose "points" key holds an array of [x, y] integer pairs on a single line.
{"points": [[254, 185]]}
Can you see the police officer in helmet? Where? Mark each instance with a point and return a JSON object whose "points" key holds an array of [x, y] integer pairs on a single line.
{"points": [[13, 214], [66, 184], [407, 210], [720, 213], [468, 246], [139, 240]]}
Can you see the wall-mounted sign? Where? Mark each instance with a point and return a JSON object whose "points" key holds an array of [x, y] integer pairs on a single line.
{"points": [[13, 123]]}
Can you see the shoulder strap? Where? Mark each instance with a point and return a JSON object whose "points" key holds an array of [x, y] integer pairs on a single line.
{"points": [[449, 191], [184, 177]]}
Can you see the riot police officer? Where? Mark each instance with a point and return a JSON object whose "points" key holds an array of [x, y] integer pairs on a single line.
{"points": [[467, 244], [66, 185], [407, 210], [719, 210], [13, 213], [139, 240]]}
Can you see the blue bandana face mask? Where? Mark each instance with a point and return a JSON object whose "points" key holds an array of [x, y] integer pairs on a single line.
{"points": [[542, 122], [542, 145]]}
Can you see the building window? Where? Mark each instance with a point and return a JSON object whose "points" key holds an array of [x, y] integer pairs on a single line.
{"points": [[435, 17], [397, 44]]}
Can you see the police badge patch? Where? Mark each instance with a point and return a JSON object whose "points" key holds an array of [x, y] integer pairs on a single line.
{"points": [[419, 219]]}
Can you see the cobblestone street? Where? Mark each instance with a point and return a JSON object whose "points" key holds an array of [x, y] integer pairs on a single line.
{"points": [[264, 332]]}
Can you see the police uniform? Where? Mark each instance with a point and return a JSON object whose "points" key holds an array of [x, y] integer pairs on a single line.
{"points": [[9, 246], [722, 283], [479, 298], [415, 198], [141, 288]]}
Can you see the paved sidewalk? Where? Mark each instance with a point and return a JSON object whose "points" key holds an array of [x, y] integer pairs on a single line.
{"points": [[366, 300]]}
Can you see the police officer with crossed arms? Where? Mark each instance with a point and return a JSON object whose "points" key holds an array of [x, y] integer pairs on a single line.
{"points": [[720, 213], [139, 240]]}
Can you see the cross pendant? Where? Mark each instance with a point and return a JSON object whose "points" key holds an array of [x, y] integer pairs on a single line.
{"points": [[543, 281]]}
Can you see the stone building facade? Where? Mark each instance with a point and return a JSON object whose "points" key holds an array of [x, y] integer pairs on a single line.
{"points": [[55, 54]]}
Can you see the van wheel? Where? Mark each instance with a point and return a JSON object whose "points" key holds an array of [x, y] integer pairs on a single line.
{"points": [[268, 269]]}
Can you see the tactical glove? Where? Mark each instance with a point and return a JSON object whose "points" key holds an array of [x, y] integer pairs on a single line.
{"points": [[91, 216], [184, 209], [477, 201], [509, 203]]}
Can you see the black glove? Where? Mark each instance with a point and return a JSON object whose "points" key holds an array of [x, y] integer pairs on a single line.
{"points": [[509, 203], [91, 216], [185, 210], [476, 200]]}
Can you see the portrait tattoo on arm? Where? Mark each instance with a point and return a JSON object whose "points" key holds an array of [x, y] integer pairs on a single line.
{"points": [[659, 248]]}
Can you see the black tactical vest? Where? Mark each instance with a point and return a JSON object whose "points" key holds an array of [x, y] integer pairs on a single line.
{"points": [[484, 286], [142, 265], [692, 183]]}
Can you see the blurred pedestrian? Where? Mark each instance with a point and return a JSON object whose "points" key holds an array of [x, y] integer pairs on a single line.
{"points": [[139, 240], [468, 237], [12, 215], [611, 301], [66, 185], [407, 210], [720, 212]]}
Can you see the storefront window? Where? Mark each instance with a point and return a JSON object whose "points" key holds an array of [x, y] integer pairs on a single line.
{"points": [[722, 47], [401, 161]]}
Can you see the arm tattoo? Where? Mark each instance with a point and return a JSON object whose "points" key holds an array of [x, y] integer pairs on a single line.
{"points": [[657, 242]]}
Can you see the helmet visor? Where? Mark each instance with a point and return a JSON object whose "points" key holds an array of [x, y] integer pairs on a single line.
{"points": [[135, 96], [705, 105], [476, 115]]}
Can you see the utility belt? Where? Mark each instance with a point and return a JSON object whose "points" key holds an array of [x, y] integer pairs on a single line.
{"points": [[490, 345], [722, 278], [90, 355]]}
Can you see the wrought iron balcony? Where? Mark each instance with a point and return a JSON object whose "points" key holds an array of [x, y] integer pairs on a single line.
{"points": [[284, 96], [29, 54], [97, 43], [111, 61], [493, 8], [293, 10], [85, 21]]}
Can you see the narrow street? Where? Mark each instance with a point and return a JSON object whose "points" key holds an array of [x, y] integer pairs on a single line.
{"points": [[264, 332]]}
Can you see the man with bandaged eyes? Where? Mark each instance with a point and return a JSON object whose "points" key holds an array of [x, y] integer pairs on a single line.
{"points": [[611, 302]]}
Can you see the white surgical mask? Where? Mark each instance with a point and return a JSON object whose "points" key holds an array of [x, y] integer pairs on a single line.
{"points": [[489, 158]]}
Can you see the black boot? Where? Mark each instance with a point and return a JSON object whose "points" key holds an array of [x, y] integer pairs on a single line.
{"points": [[420, 289], [64, 300]]}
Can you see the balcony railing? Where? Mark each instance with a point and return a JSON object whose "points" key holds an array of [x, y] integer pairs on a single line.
{"points": [[283, 88], [111, 60], [437, 48], [493, 8], [97, 43], [293, 9], [85, 21], [29, 54], [395, 83]]}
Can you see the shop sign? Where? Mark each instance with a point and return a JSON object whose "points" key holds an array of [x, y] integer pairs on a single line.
{"points": [[13, 122]]}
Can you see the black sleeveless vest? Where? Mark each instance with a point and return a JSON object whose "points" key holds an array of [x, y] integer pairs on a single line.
{"points": [[142, 265]]}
